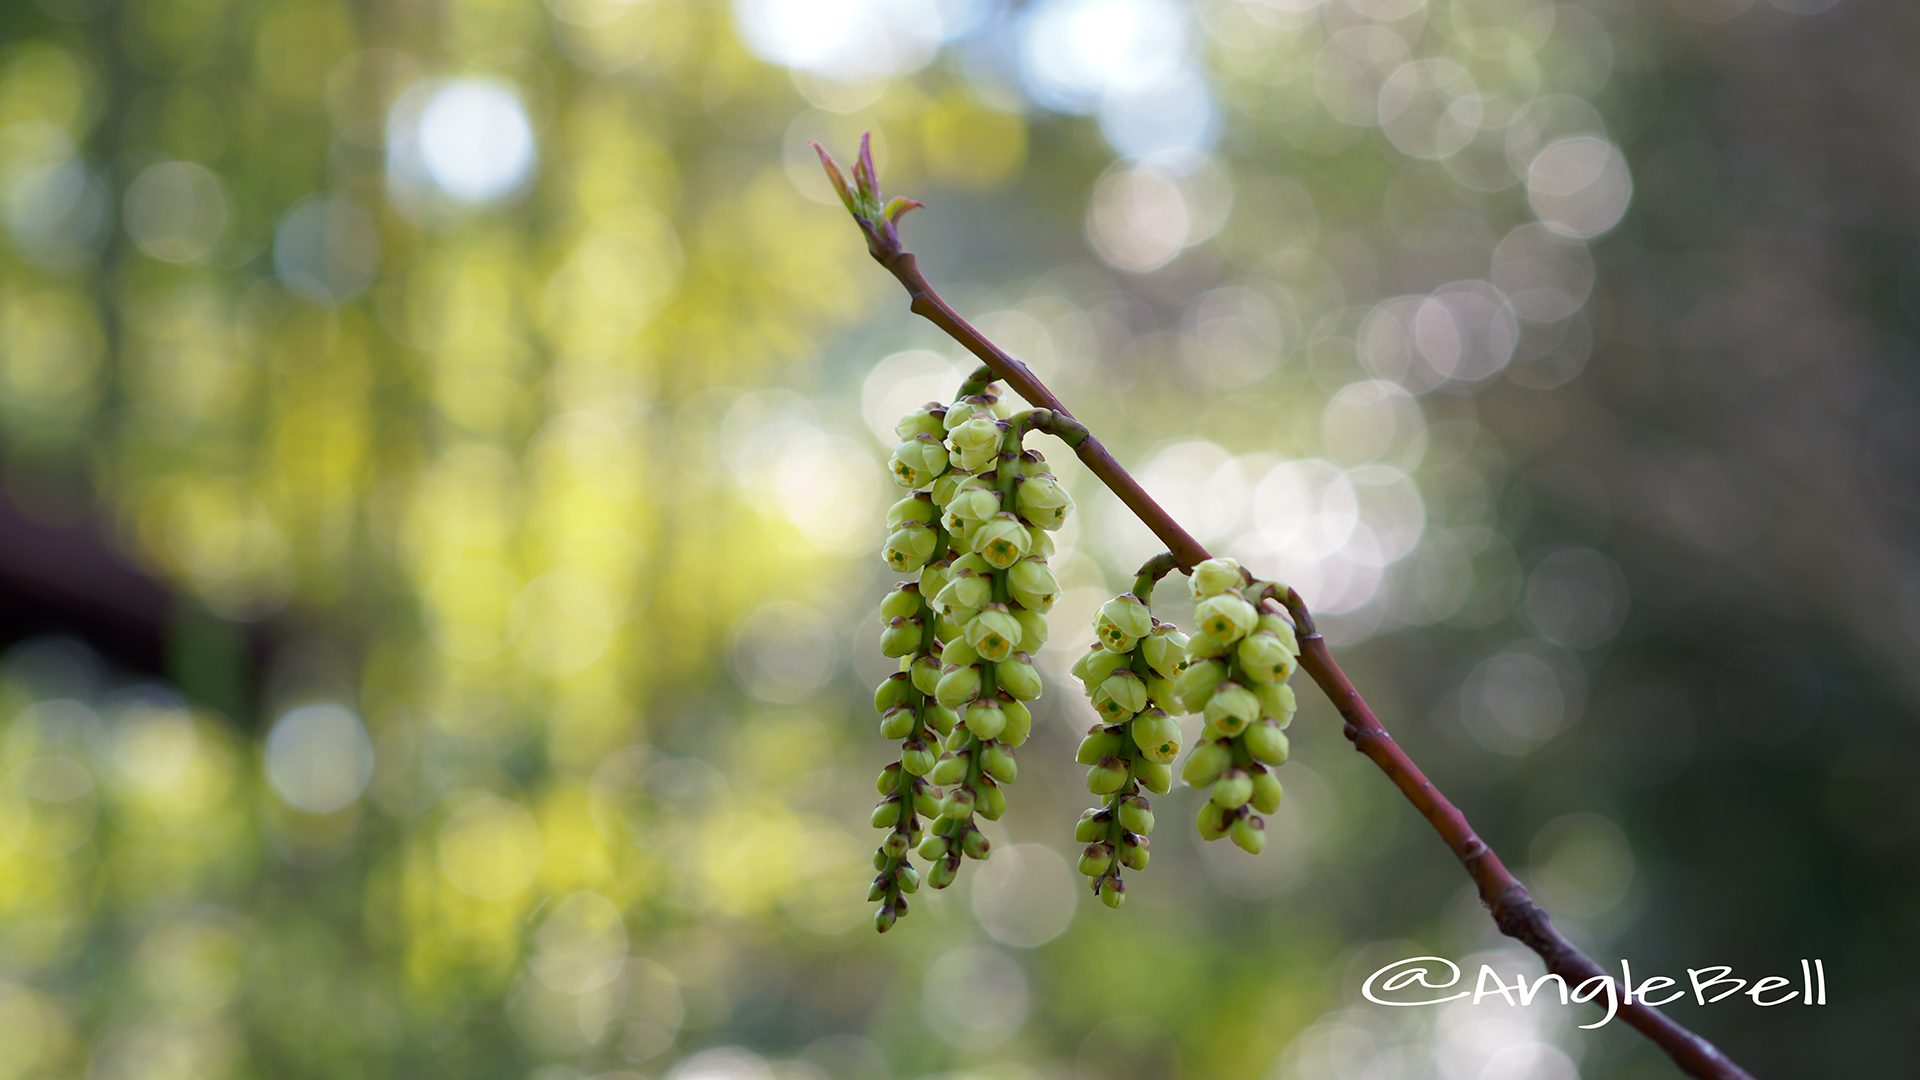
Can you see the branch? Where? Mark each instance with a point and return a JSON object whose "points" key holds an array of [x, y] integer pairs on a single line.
{"points": [[1507, 900]]}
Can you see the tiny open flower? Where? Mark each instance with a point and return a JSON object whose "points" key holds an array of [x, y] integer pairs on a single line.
{"points": [[928, 419], [1122, 621], [1033, 585], [1226, 617], [909, 548], [1018, 677], [1265, 657], [918, 461], [1266, 742], [1196, 684], [1266, 792], [1231, 708], [1043, 502], [994, 633], [1002, 541], [1216, 576], [915, 509], [1119, 696], [1165, 653], [963, 596], [976, 442], [1157, 735]]}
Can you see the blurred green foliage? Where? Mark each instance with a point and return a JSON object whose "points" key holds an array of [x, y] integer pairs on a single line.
{"points": [[499, 398]]}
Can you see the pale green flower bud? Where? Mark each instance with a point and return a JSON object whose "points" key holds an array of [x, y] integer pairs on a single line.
{"points": [[1113, 892], [933, 848], [1265, 658], [1019, 719], [1266, 792], [1212, 821], [1273, 624], [1250, 833], [1092, 826], [886, 813], [1136, 815], [900, 638], [883, 918], [964, 410], [1165, 653], [1042, 501], [894, 691], [1155, 776], [933, 578], [925, 672], [985, 719], [945, 488], [1204, 646], [918, 461], [1216, 576], [1109, 776], [958, 686], [1123, 620], [928, 419], [1266, 742], [1161, 692], [1225, 617], [1101, 742], [997, 761], [975, 844], [1094, 668], [1133, 852], [888, 782], [916, 758], [1033, 463], [994, 633], [909, 878], [1157, 735], [974, 502], [1033, 628], [956, 652], [897, 723], [1097, 859], [893, 847], [1119, 696], [958, 805], [950, 769], [1277, 701], [941, 874], [915, 509], [992, 800], [1231, 708], [909, 548], [1018, 677], [970, 563], [938, 717], [1196, 684], [1232, 789], [1206, 763], [902, 603], [1042, 543], [1033, 585], [959, 740], [1002, 541], [926, 801]]}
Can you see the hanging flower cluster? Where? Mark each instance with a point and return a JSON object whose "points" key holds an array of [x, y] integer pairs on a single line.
{"points": [[1127, 676], [1238, 662]]}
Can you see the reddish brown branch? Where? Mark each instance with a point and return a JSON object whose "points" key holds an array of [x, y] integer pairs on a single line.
{"points": [[1507, 900]]}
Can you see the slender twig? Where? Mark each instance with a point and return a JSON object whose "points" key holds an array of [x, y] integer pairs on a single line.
{"points": [[1514, 911]]}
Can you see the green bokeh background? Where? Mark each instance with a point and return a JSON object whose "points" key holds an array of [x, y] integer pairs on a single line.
{"points": [[441, 463]]}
